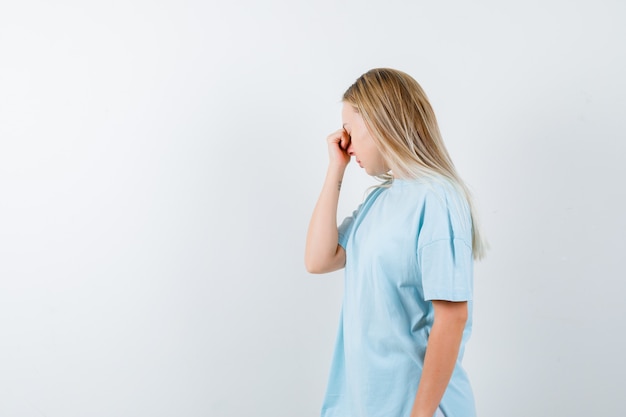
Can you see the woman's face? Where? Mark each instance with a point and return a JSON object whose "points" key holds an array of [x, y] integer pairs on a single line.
{"points": [[362, 146]]}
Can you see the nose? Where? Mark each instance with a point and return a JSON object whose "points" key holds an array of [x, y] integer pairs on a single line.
{"points": [[350, 149]]}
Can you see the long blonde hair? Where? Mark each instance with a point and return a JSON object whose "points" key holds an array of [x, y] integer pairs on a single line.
{"points": [[401, 120]]}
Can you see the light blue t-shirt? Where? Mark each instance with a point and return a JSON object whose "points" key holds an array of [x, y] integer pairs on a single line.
{"points": [[405, 246]]}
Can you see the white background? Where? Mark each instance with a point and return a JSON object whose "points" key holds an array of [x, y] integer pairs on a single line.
{"points": [[159, 161]]}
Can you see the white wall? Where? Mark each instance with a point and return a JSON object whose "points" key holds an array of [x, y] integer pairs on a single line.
{"points": [[159, 162]]}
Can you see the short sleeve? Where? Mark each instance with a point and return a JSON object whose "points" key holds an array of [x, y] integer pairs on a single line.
{"points": [[446, 268], [345, 227], [444, 251]]}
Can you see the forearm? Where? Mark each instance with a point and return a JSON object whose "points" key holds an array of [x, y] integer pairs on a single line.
{"points": [[441, 355], [321, 241]]}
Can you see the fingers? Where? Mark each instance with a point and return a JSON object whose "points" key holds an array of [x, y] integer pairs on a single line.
{"points": [[338, 143], [340, 138], [345, 140]]}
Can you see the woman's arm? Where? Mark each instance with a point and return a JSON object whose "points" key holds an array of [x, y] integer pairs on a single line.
{"points": [[323, 253], [442, 352]]}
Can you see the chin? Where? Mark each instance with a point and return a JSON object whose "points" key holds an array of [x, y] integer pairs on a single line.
{"points": [[375, 173]]}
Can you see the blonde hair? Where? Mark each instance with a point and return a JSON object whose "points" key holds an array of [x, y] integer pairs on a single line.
{"points": [[401, 120]]}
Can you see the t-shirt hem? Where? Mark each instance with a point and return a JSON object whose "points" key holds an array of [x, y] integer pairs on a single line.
{"points": [[446, 295]]}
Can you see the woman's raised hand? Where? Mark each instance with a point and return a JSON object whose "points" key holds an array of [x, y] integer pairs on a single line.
{"points": [[323, 252], [338, 143]]}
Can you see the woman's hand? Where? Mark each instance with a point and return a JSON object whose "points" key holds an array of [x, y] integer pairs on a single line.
{"points": [[338, 143], [323, 253]]}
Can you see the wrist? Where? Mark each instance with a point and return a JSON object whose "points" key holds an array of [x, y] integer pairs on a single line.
{"points": [[336, 171]]}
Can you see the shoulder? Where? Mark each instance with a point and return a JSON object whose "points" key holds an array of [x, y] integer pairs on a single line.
{"points": [[436, 194], [444, 210]]}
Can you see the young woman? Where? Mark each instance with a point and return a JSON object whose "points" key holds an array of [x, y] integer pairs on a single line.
{"points": [[408, 254]]}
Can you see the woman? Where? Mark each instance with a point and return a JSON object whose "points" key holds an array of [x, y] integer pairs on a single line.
{"points": [[408, 254]]}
